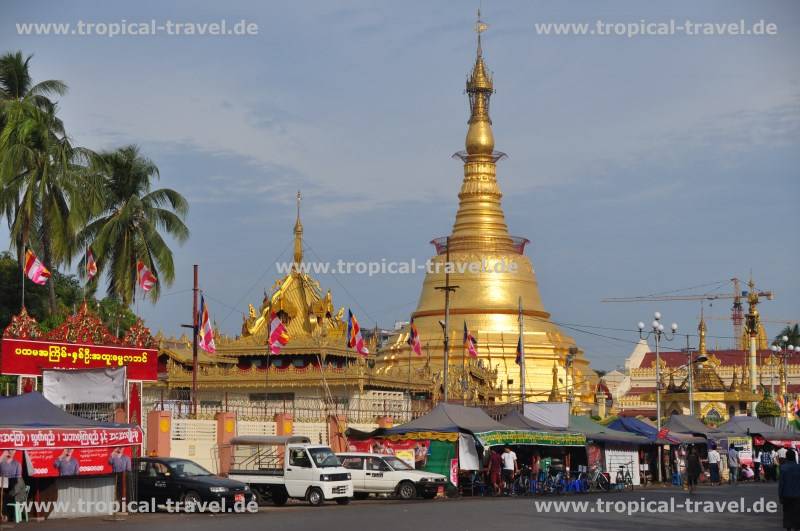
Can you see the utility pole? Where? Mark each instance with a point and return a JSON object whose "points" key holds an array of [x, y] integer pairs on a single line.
{"points": [[446, 324], [521, 357], [195, 329], [691, 376]]}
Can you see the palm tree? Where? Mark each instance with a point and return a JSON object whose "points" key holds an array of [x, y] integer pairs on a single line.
{"points": [[126, 227], [791, 332], [37, 165], [39, 182]]}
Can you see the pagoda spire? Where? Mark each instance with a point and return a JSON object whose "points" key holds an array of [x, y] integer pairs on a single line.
{"points": [[555, 396], [480, 223], [298, 235], [701, 330]]}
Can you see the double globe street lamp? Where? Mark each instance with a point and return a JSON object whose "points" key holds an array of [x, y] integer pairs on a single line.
{"points": [[658, 333], [784, 352]]}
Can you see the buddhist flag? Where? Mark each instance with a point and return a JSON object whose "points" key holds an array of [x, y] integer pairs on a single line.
{"points": [[469, 342], [145, 277], [413, 338], [35, 270], [278, 334], [797, 407], [354, 338], [205, 331], [91, 265], [518, 360]]}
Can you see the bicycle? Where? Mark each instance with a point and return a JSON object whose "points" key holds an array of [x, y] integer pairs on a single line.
{"points": [[522, 482], [554, 483], [598, 481], [624, 480]]}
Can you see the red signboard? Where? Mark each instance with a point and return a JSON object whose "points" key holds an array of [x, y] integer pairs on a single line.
{"points": [[78, 461], [32, 438], [29, 357]]}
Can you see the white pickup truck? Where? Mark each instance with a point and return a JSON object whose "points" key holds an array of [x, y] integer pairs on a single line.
{"points": [[388, 474], [279, 468]]}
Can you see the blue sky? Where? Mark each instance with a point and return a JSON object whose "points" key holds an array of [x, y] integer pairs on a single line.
{"points": [[636, 165]]}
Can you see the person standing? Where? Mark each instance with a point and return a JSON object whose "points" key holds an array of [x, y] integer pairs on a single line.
{"points": [[757, 463], [733, 465], [495, 470], [713, 465], [766, 463], [693, 469], [789, 491], [509, 469]]}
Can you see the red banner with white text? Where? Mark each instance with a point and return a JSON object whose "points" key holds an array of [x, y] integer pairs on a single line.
{"points": [[29, 357], [60, 438], [78, 461]]}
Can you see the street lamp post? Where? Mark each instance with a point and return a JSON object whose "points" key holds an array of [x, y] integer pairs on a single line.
{"points": [[784, 352], [690, 367], [570, 359], [658, 333]]}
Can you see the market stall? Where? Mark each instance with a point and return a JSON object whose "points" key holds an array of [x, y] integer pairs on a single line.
{"points": [[62, 457]]}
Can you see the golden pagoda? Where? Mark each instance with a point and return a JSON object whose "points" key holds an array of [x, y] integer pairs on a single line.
{"points": [[487, 300], [314, 372]]}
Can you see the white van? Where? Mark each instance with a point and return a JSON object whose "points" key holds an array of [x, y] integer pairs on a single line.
{"points": [[388, 474]]}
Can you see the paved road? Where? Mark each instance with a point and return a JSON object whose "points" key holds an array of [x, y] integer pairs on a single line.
{"points": [[478, 514]]}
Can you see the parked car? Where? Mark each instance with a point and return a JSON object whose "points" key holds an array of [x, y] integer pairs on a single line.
{"points": [[279, 468], [181, 480], [376, 474]]}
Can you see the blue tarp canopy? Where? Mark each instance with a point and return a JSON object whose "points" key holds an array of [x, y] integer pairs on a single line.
{"points": [[633, 425]]}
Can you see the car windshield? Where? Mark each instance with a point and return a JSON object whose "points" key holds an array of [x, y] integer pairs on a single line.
{"points": [[185, 468], [397, 463], [324, 457]]}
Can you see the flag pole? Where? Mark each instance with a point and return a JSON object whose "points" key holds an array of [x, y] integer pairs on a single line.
{"points": [[464, 369], [194, 343], [521, 356], [23, 285]]}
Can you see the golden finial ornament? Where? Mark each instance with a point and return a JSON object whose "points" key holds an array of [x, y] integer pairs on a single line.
{"points": [[298, 235]]}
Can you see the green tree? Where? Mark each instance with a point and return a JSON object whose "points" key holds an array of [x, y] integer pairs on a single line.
{"points": [[40, 169], [129, 224]]}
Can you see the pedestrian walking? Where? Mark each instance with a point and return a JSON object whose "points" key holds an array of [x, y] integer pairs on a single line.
{"points": [[509, 469], [789, 491], [766, 459], [693, 469], [733, 465], [495, 471], [713, 464], [757, 463]]}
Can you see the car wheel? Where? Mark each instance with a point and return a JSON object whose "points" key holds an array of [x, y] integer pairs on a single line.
{"points": [[406, 490], [315, 496], [191, 501], [361, 495], [280, 497], [342, 501]]}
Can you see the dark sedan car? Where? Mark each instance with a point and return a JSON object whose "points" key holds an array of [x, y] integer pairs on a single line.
{"points": [[180, 480]]}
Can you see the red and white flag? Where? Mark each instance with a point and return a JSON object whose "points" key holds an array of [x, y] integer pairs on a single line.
{"points": [[470, 343], [278, 334], [354, 338], [413, 338], [145, 277], [205, 331], [91, 265], [35, 270]]}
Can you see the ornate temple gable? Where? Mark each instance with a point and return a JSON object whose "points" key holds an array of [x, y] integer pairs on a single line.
{"points": [[22, 326], [84, 326]]}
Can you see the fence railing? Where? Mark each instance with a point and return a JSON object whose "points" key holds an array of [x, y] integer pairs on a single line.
{"points": [[356, 410]]}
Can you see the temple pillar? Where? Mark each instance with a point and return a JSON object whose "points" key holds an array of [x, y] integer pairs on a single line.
{"points": [[337, 424], [226, 430], [384, 421], [159, 433]]}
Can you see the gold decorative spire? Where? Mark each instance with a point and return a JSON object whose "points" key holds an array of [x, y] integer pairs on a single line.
{"points": [[480, 139], [701, 330], [298, 235], [734, 384], [555, 396]]}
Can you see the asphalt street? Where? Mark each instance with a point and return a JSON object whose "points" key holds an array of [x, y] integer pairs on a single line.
{"points": [[483, 514]]}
